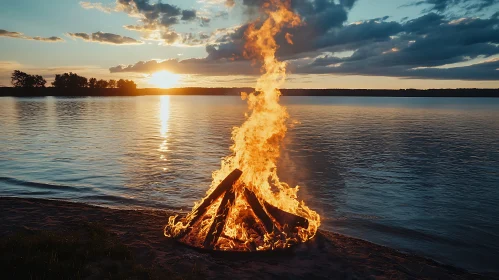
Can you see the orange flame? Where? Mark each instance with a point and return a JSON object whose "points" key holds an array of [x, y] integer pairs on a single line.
{"points": [[257, 142], [289, 38]]}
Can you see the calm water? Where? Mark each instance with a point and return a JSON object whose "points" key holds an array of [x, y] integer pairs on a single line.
{"points": [[417, 174]]}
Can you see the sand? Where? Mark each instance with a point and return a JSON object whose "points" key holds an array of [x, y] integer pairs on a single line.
{"points": [[328, 256]]}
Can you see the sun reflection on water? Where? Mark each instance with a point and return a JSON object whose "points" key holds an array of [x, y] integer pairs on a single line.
{"points": [[164, 116]]}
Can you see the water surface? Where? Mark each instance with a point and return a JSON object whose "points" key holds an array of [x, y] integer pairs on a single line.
{"points": [[417, 174]]}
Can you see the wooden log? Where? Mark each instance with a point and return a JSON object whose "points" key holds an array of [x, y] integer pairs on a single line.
{"points": [[220, 219], [195, 215], [285, 218], [259, 210]]}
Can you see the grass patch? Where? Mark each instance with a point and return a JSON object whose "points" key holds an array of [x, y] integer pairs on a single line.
{"points": [[87, 253]]}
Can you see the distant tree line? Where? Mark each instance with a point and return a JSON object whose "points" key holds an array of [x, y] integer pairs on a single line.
{"points": [[69, 80], [21, 79]]}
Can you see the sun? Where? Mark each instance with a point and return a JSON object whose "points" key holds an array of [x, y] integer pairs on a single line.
{"points": [[164, 79]]}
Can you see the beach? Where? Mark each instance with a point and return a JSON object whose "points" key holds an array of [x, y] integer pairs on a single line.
{"points": [[328, 256]]}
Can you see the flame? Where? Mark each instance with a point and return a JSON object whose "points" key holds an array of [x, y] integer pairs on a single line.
{"points": [[256, 149], [289, 38]]}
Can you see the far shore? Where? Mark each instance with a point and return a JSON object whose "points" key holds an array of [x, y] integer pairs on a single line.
{"points": [[138, 235], [64, 92]]}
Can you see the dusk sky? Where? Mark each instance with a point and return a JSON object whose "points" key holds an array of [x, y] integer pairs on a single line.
{"points": [[343, 43]]}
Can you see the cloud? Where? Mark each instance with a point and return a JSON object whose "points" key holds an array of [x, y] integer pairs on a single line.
{"points": [[98, 6], [106, 38], [467, 5], [48, 39], [19, 35], [188, 15], [169, 21], [83, 36], [425, 47], [189, 66], [204, 21], [149, 13], [156, 20], [158, 14], [170, 37], [140, 28], [188, 38], [431, 46], [321, 20]]}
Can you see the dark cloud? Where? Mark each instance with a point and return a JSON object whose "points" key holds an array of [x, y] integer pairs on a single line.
{"points": [[357, 35], [169, 21], [468, 5], [321, 19], [431, 46], [106, 38], [161, 17], [5, 33], [113, 38], [83, 36], [190, 66], [157, 15], [150, 12], [47, 39], [188, 15], [486, 71], [478, 72], [19, 35], [419, 46]]}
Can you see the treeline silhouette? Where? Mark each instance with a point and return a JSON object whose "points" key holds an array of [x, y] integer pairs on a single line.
{"points": [[200, 91], [23, 80], [69, 80]]}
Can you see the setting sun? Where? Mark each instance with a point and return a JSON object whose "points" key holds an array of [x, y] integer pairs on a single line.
{"points": [[164, 79]]}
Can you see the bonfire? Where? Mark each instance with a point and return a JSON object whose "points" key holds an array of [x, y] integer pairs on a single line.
{"points": [[247, 207]]}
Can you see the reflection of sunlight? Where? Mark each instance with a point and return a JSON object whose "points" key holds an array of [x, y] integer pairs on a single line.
{"points": [[164, 79], [164, 116]]}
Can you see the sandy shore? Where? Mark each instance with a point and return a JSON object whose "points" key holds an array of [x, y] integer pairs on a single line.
{"points": [[328, 256]]}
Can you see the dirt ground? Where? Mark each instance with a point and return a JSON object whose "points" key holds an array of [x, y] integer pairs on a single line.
{"points": [[328, 256]]}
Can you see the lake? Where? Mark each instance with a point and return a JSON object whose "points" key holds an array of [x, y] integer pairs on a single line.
{"points": [[417, 174]]}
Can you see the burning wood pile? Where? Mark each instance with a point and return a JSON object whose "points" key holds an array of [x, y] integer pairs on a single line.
{"points": [[262, 225], [247, 207]]}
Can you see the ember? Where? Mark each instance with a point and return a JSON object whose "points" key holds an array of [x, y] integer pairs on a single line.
{"points": [[247, 207]]}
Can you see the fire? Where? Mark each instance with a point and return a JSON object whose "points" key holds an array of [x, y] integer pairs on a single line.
{"points": [[258, 211]]}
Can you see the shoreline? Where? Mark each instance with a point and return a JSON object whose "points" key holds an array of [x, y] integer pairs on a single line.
{"points": [[200, 91], [328, 255]]}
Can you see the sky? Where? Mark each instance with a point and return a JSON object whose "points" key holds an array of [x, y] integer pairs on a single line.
{"points": [[379, 44]]}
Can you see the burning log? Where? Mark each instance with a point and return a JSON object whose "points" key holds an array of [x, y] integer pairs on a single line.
{"points": [[225, 185], [220, 219], [259, 210], [259, 218], [285, 218]]}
